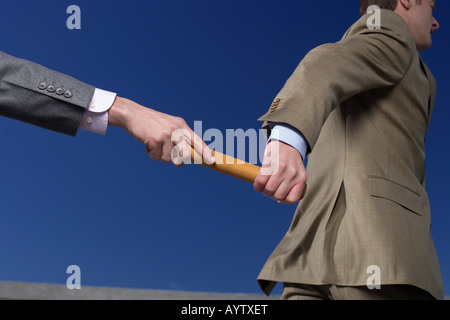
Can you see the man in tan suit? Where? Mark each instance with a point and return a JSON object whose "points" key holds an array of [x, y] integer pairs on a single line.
{"points": [[362, 106]]}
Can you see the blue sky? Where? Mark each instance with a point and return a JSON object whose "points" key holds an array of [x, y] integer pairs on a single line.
{"points": [[127, 221]]}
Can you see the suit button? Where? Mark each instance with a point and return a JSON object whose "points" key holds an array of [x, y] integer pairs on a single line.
{"points": [[51, 88], [68, 94], [42, 86], [274, 105], [59, 91]]}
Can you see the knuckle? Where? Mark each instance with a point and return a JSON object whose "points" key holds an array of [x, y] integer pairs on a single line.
{"points": [[278, 197], [270, 189], [293, 198], [267, 194], [260, 182], [303, 177], [180, 121], [164, 136], [257, 186], [156, 140], [165, 158], [291, 171], [282, 166]]}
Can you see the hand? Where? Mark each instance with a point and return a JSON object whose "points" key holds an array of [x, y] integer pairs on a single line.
{"points": [[155, 130], [283, 175]]}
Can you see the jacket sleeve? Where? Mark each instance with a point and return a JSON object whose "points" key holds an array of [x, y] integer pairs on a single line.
{"points": [[363, 60], [34, 94]]}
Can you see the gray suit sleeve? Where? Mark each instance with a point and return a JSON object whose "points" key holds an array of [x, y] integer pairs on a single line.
{"points": [[34, 94]]}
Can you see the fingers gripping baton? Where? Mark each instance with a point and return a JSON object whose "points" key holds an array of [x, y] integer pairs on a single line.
{"points": [[231, 166]]}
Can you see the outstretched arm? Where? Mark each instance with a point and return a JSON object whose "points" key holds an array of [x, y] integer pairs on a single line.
{"points": [[154, 129]]}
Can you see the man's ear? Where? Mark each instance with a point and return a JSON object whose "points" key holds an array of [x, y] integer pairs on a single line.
{"points": [[406, 4]]}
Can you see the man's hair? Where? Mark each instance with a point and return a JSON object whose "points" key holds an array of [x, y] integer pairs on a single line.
{"points": [[382, 4]]}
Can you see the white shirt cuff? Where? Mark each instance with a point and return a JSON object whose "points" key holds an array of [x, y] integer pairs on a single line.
{"points": [[95, 118], [291, 136]]}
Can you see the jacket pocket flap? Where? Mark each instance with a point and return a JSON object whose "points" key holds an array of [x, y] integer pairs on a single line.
{"points": [[404, 196]]}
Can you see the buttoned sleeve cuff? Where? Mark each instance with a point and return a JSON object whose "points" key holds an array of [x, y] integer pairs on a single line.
{"points": [[95, 118], [291, 136]]}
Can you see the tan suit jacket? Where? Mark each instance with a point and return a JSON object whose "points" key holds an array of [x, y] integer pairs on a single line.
{"points": [[364, 105]]}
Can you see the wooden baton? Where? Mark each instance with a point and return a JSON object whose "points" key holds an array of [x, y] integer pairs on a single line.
{"points": [[231, 166], [228, 165]]}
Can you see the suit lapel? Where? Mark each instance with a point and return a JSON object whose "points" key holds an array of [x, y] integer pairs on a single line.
{"points": [[432, 85]]}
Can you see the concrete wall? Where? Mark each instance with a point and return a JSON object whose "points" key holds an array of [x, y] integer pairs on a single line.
{"points": [[40, 291]]}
